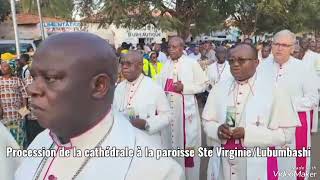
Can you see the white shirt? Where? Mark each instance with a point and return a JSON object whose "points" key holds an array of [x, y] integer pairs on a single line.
{"points": [[25, 72], [113, 131]]}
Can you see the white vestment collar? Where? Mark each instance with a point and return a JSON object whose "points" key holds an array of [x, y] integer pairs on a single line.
{"points": [[115, 167]]}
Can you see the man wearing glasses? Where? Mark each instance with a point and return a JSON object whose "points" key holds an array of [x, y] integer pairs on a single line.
{"points": [[243, 113], [300, 83]]}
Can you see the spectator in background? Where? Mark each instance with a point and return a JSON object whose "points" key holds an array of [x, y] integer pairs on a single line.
{"points": [[30, 51], [162, 56], [312, 45], [297, 52], [13, 98], [23, 63], [248, 41], [265, 51], [124, 48], [32, 126], [318, 44], [209, 53], [146, 48], [152, 67], [212, 46], [164, 45], [207, 56], [8, 57], [196, 53]]}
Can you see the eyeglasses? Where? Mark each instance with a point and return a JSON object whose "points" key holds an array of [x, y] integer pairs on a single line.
{"points": [[240, 60], [281, 45]]}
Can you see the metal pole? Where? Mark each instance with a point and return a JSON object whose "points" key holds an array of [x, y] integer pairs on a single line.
{"points": [[41, 22], [15, 27]]}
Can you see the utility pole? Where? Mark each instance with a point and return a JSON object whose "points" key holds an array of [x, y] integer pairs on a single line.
{"points": [[15, 27], [41, 22]]}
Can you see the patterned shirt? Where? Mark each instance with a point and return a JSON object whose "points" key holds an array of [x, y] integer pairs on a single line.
{"points": [[12, 90], [27, 82]]}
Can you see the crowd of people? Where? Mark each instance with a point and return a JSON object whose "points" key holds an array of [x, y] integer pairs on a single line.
{"points": [[163, 96], [15, 102]]}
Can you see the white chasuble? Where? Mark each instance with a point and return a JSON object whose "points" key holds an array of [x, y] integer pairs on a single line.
{"points": [[268, 121], [118, 134], [145, 99], [299, 83], [185, 120]]}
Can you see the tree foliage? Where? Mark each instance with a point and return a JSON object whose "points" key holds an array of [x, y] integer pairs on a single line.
{"points": [[4, 9], [259, 16], [184, 16], [310, 15], [49, 8], [243, 13]]}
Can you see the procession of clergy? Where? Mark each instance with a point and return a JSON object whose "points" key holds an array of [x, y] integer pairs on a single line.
{"points": [[267, 102]]}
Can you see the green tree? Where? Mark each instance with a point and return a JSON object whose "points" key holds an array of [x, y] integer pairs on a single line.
{"points": [[243, 13], [49, 8], [310, 13], [254, 16], [259, 16], [184, 16], [4, 9]]}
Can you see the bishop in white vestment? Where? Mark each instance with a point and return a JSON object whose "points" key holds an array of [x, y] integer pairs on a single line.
{"points": [[181, 79], [114, 131], [219, 70], [143, 101], [299, 82], [248, 102], [8, 165], [85, 138]]}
